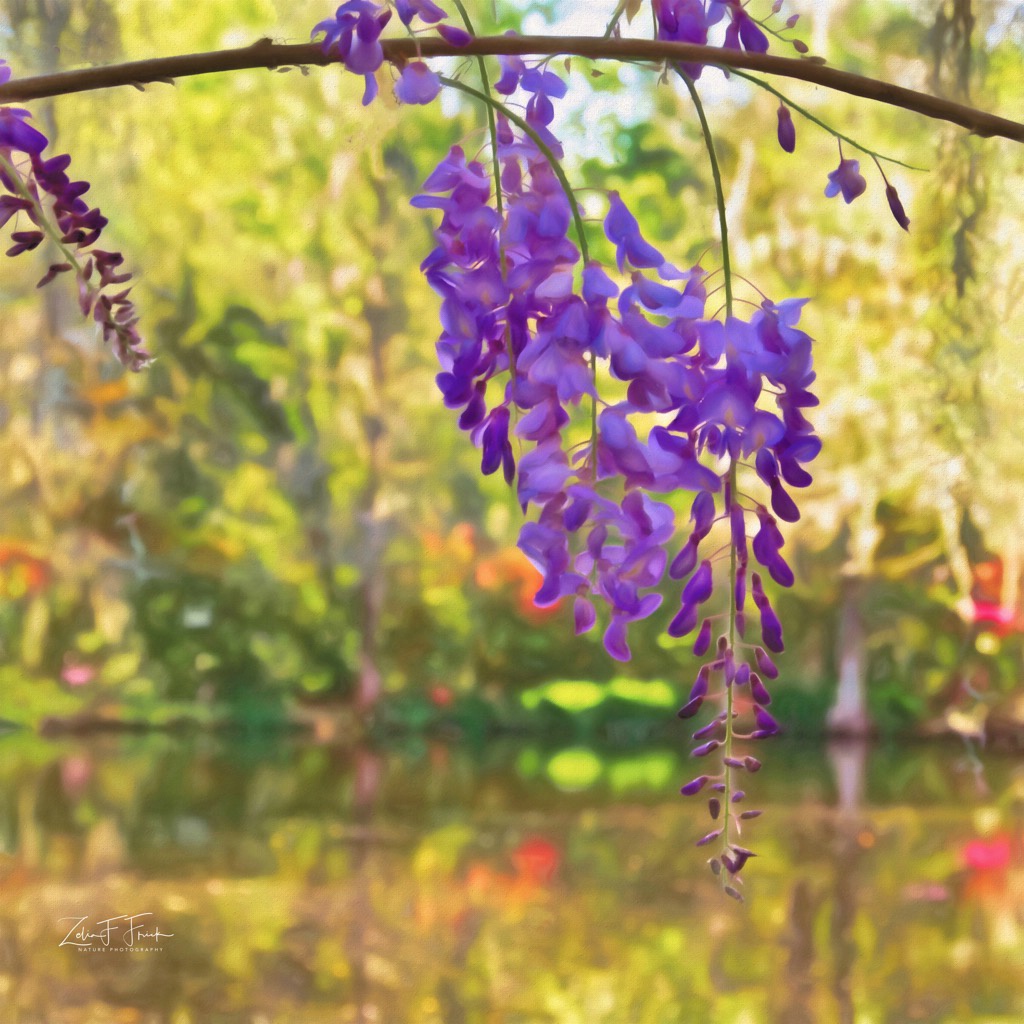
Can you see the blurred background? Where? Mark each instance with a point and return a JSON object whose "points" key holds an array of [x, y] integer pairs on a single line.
{"points": [[268, 654]]}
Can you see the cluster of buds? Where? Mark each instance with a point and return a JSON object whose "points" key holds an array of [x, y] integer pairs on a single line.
{"points": [[40, 189]]}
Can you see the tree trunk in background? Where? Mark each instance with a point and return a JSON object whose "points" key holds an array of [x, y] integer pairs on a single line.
{"points": [[848, 715]]}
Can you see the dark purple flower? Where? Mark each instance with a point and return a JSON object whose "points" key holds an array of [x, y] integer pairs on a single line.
{"points": [[897, 207], [759, 691], [765, 665], [787, 130], [698, 590], [771, 629], [700, 685], [685, 562], [703, 641], [77, 225], [690, 708], [695, 786], [765, 722], [16, 133]]}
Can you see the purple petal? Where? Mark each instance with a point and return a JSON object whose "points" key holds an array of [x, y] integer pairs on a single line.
{"points": [[584, 614], [615, 639], [454, 35], [417, 84]]}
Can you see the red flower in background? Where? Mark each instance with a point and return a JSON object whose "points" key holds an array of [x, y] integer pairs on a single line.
{"points": [[985, 606], [441, 696], [988, 862], [512, 572], [988, 854], [536, 860]]}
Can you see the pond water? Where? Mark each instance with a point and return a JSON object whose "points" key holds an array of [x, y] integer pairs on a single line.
{"points": [[429, 883]]}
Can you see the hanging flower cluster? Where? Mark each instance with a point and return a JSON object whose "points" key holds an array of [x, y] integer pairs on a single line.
{"points": [[535, 335], [41, 190], [527, 320]]}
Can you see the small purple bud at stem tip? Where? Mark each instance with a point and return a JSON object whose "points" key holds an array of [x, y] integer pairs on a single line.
{"points": [[703, 641], [705, 748], [758, 690], [738, 796], [707, 730], [691, 708], [700, 686], [752, 764], [787, 130], [714, 808], [897, 207], [709, 838], [694, 786], [765, 665], [716, 867], [746, 815], [734, 893]]}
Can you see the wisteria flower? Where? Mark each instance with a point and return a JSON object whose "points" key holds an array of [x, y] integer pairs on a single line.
{"points": [[846, 178], [417, 84]]}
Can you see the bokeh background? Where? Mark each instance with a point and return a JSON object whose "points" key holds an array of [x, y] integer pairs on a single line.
{"points": [[270, 661]]}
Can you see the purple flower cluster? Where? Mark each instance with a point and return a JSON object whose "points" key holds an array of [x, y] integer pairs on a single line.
{"points": [[521, 336], [27, 178], [524, 327], [353, 36], [689, 21], [528, 319]]}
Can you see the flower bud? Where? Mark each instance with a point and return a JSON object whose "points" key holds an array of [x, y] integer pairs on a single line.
{"points": [[787, 130], [694, 786], [703, 641], [705, 748]]}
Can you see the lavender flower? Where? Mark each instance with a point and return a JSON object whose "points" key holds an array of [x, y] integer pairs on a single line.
{"points": [[417, 84], [846, 178]]}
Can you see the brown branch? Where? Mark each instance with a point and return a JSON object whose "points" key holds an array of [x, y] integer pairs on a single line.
{"points": [[267, 54]]}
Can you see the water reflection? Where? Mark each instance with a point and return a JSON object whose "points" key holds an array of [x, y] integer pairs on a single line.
{"points": [[314, 883]]}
